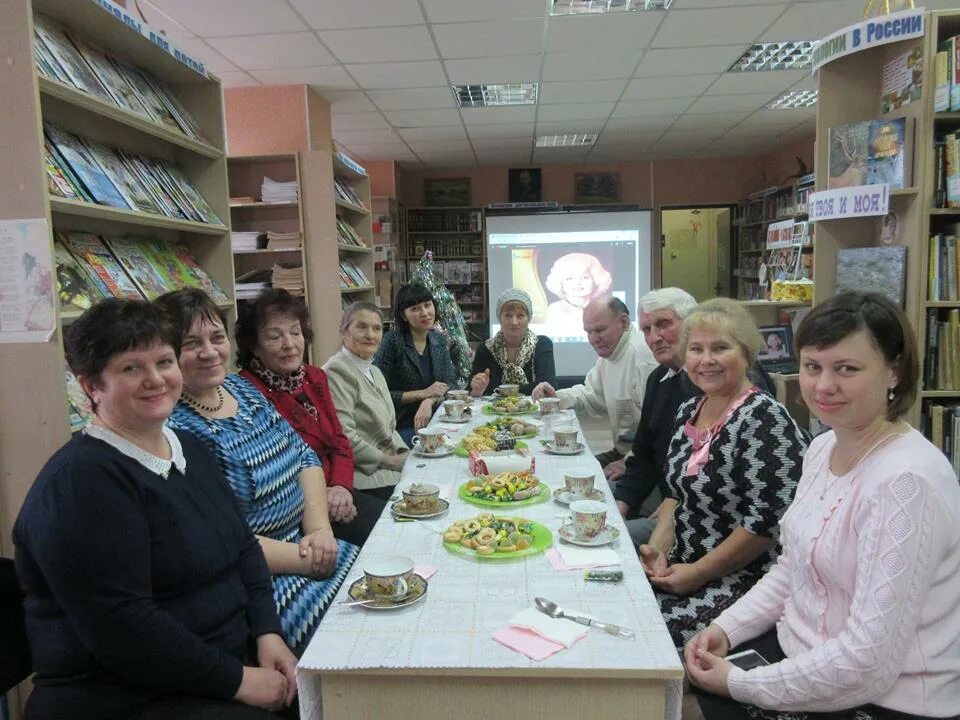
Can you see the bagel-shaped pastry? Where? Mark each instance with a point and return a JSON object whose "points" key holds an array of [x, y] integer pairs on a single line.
{"points": [[467, 542], [471, 525], [498, 482], [486, 550], [485, 536], [453, 535]]}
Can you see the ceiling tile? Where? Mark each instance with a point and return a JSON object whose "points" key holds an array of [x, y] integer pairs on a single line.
{"points": [[730, 103], [561, 155], [346, 102], [813, 21], [575, 111], [212, 60], [414, 99], [489, 39], [518, 158], [505, 144], [498, 115], [514, 130], [380, 44], [436, 133], [422, 118], [741, 132], [637, 137], [694, 137], [449, 163], [327, 77], [389, 76], [575, 33], [689, 61], [264, 52], [375, 151], [687, 4], [582, 91], [693, 28], [644, 123], [360, 137], [232, 17], [667, 87], [335, 14], [485, 71], [741, 83], [722, 120], [159, 20], [810, 82], [569, 127], [438, 147], [236, 79], [441, 11], [359, 121], [599, 64], [788, 118], [638, 108]]}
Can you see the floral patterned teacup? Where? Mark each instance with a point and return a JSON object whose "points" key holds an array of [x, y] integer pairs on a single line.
{"points": [[589, 518], [579, 484], [388, 576]]}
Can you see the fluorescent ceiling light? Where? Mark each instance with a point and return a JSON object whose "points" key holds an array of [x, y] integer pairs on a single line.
{"points": [[776, 56], [476, 96], [578, 140], [793, 99], [583, 7]]}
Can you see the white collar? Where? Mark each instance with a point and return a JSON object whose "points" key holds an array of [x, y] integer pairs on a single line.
{"points": [[671, 373], [150, 461], [365, 366]]}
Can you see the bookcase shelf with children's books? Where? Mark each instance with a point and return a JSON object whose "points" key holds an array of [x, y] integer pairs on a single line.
{"points": [[116, 143], [351, 186]]}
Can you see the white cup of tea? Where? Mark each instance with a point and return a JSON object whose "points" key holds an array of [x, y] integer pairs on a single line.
{"points": [[579, 484], [462, 395], [565, 437], [388, 576], [589, 518], [420, 497], [549, 405], [508, 390], [454, 409], [430, 440]]}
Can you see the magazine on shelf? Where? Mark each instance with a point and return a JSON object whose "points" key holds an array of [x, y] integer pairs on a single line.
{"points": [[189, 190], [57, 183], [78, 404], [47, 63], [871, 151], [124, 179], [70, 60], [123, 95], [284, 241], [199, 276], [64, 167], [139, 167], [100, 265], [131, 253], [902, 80], [85, 166], [183, 117], [165, 262], [153, 103], [158, 172], [74, 287]]}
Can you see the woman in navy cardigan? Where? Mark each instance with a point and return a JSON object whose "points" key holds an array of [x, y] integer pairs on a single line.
{"points": [[415, 360]]}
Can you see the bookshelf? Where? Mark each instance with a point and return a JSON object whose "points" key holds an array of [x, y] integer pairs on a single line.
{"points": [[33, 407], [354, 230], [389, 237], [246, 174], [850, 91], [455, 236]]}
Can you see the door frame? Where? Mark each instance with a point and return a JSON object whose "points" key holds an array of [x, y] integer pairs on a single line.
{"points": [[732, 207]]}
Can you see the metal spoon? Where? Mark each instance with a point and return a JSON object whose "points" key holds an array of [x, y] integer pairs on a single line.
{"points": [[553, 610]]}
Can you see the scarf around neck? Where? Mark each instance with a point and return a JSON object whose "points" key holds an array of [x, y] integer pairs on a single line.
{"points": [[292, 383], [513, 371]]}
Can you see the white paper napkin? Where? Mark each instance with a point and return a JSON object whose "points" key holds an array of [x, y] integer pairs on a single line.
{"points": [[597, 557], [506, 463], [565, 632]]}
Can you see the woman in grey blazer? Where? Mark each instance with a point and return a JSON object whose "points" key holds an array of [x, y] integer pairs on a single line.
{"points": [[363, 402]]}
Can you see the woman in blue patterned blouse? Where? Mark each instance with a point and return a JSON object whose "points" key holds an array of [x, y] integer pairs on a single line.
{"points": [[277, 478]]}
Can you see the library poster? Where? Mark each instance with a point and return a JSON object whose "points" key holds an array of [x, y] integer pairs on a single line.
{"points": [[27, 282]]}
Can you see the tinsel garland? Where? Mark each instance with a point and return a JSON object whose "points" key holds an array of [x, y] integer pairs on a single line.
{"points": [[449, 317]]}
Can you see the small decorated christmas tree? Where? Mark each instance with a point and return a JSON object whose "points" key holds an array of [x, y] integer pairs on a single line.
{"points": [[449, 317]]}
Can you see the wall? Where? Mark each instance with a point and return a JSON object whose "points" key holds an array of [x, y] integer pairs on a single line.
{"points": [[266, 120], [383, 177]]}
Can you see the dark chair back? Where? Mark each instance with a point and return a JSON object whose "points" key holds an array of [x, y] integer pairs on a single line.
{"points": [[14, 651]]}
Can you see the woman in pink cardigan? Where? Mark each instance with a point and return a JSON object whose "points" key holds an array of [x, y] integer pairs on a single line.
{"points": [[860, 616]]}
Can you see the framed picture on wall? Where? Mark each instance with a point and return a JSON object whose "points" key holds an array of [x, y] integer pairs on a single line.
{"points": [[524, 185], [595, 188], [446, 192]]}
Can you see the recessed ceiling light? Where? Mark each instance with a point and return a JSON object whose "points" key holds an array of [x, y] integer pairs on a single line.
{"points": [[776, 56], [584, 7], [476, 96], [578, 140], [793, 99]]}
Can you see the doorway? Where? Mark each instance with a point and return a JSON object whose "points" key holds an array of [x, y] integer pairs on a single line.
{"points": [[695, 250]]}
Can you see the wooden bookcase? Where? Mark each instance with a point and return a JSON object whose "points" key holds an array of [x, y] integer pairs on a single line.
{"points": [[359, 217], [850, 91], [454, 234], [389, 238], [246, 175], [33, 405]]}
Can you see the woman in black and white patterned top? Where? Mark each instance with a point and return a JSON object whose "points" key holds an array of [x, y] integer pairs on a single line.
{"points": [[732, 468]]}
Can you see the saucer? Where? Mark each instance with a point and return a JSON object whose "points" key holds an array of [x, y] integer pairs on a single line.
{"points": [[606, 535], [575, 450], [416, 590], [565, 497], [399, 509], [447, 450], [447, 418]]}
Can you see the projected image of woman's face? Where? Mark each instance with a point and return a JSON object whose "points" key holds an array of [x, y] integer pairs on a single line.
{"points": [[578, 288]]}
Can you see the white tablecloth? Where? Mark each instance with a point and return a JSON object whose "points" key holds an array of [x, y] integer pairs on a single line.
{"points": [[469, 599]]}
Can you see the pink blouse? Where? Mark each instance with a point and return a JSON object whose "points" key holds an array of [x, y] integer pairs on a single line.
{"points": [[866, 594]]}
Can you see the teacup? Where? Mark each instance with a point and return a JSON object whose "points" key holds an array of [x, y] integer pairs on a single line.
{"points": [[549, 405], [420, 497], [508, 390], [580, 484], [565, 437], [589, 518], [430, 440], [388, 576], [462, 395], [454, 409]]}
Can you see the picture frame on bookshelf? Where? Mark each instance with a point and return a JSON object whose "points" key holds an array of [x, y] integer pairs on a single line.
{"points": [[596, 188], [524, 185], [446, 192], [874, 269]]}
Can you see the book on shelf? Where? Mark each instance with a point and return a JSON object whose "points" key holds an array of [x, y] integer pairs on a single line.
{"points": [[948, 75], [874, 269], [133, 255], [134, 192], [347, 234], [940, 423], [289, 277], [246, 241], [57, 181], [249, 284], [75, 288], [871, 151], [70, 61], [901, 80], [242, 200], [101, 266], [85, 167], [79, 407], [123, 95], [198, 277], [284, 241], [941, 365], [158, 110], [276, 191], [346, 193]]}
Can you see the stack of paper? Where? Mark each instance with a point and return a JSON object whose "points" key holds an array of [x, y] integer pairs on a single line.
{"points": [[244, 241], [273, 191], [249, 285], [289, 277], [283, 241]]}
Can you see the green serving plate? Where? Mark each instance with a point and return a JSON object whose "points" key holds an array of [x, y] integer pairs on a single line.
{"points": [[488, 410], [530, 434], [461, 451], [542, 539], [540, 497]]}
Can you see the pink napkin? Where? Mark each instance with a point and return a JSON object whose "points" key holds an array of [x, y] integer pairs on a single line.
{"points": [[425, 571], [527, 642], [558, 564]]}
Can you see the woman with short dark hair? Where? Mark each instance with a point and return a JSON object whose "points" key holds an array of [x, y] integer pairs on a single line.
{"points": [[859, 616], [415, 360], [145, 589]]}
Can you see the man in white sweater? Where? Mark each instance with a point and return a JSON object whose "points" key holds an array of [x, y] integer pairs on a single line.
{"points": [[614, 385]]}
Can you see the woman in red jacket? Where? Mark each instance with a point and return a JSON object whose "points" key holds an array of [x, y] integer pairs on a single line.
{"points": [[272, 332]]}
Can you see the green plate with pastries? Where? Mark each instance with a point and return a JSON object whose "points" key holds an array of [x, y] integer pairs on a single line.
{"points": [[507, 407]]}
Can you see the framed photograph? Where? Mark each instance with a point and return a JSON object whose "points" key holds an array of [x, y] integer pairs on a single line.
{"points": [[446, 192], [596, 188], [524, 185]]}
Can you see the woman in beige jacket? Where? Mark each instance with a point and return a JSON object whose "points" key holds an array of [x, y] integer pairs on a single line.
{"points": [[363, 402]]}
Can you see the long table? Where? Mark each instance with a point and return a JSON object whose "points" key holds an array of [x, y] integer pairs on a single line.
{"points": [[437, 659]]}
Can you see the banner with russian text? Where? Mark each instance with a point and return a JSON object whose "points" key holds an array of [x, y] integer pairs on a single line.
{"points": [[849, 202], [869, 33]]}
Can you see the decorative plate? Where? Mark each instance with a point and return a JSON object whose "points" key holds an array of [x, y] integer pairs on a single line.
{"points": [[448, 450], [540, 497], [416, 590], [461, 451], [398, 508], [565, 497], [488, 410], [575, 450], [495, 425], [542, 539], [606, 535]]}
